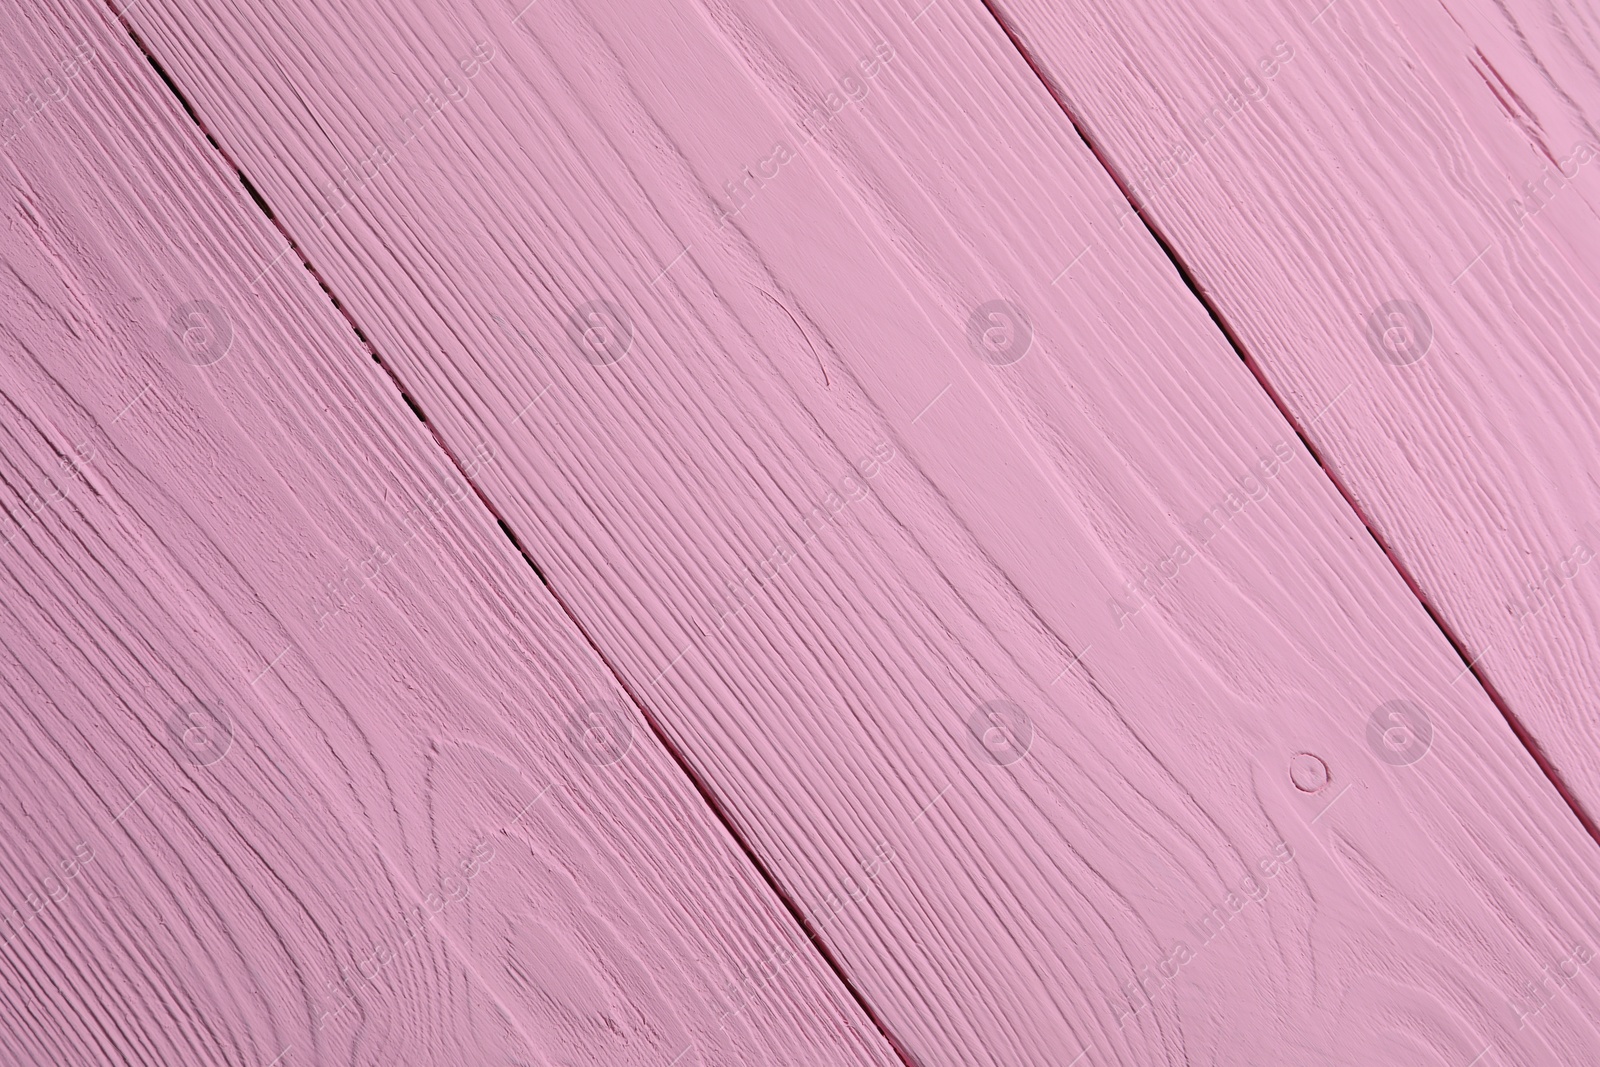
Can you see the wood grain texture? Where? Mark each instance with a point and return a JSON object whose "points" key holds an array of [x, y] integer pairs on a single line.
{"points": [[818, 530], [386, 838], [1330, 173]]}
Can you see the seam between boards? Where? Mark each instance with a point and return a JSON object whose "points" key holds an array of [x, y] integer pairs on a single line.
{"points": [[1469, 664], [720, 811]]}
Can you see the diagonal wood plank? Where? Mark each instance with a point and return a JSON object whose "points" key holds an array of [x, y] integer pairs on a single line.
{"points": [[1400, 201], [920, 503], [295, 771]]}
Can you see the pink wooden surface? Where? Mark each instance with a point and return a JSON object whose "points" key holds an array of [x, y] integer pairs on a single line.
{"points": [[891, 472], [388, 840], [1397, 204]]}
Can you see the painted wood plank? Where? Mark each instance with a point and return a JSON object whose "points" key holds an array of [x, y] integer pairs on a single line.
{"points": [[1397, 202], [294, 772], [823, 503]]}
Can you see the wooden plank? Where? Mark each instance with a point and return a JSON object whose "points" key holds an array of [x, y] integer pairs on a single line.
{"points": [[294, 769], [1397, 202], [785, 471]]}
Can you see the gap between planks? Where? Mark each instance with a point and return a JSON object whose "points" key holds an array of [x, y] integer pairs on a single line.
{"points": [[1524, 736], [717, 808]]}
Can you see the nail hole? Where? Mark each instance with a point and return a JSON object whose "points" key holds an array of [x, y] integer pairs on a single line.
{"points": [[1308, 773]]}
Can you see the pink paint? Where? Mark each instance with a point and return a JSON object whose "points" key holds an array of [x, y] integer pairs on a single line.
{"points": [[1443, 359], [1060, 710], [247, 820]]}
